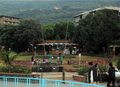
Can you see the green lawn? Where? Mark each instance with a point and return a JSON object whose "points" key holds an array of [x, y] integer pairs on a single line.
{"points": [[29, 58], [23, 58]]}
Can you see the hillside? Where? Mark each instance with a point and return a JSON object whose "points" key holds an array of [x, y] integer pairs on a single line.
{"points": [[50, 11], [48, 16], [7, 7]]}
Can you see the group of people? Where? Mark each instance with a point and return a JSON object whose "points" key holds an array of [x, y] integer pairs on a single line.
{"points": [[37, 60], [94, 72], [59, 59]]}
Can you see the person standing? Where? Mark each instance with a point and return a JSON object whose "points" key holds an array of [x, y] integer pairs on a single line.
{"points": [[50, 57], [32, 60], [58, 58], [43, 60], [46, 60], [61, 58], [92, 74], [111, 76], [78, 51], [96, 65], [37, 61]]}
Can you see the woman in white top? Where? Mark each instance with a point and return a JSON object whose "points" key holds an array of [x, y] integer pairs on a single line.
{"points": [[58, 59]]}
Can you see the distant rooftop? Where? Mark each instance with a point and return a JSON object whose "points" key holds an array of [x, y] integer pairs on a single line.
{"points": [[8, 16], [106, 7]]}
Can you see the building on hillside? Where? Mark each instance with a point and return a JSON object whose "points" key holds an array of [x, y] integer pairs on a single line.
{"points": [[9, 20], [83, 15], [57, 46], [57, 7]]}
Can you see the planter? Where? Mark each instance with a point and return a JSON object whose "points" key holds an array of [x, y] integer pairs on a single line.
{"points": [[79, 78], [103, 77]]}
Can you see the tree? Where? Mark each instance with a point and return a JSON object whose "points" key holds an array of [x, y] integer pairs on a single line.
{"points": [[65, 7], [57, 37], [98, 30], [49, 31], [7, 37], [28, 31], [71, 28], [60, 29]]}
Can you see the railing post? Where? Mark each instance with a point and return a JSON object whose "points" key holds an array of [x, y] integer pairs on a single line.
{"points": [[42, 82], [15, 82], [6, 81], [27, 82], [72, 85], [58, 84], [3, 81], [69, 84], [55, 83]]}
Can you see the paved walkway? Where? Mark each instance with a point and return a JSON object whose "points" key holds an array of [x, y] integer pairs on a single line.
{"points": [[58, 76]]}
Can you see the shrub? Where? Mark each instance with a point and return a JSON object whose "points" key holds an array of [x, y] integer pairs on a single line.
{"points": [[103, 68], [83, 70], [8, 57], [118, 62], [15, 69]]}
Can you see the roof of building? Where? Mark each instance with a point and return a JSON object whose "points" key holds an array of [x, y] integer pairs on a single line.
{"points": [[8, 16], [107, 7], [57, 44]]}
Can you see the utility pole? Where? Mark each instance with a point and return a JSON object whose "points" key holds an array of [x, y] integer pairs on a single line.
{"points": [[43, 38], [66, 37]]}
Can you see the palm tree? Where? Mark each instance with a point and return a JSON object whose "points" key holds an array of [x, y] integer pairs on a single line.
{"points": [[8, 56]]}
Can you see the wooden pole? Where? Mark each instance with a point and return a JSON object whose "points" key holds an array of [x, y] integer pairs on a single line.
{"points": [[66, 37], [43, 39]]}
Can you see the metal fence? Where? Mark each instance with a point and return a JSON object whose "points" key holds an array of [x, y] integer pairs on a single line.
{"points": [[37, 82]]}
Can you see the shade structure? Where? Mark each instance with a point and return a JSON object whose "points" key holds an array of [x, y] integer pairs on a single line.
{"points": [[57, 44]]}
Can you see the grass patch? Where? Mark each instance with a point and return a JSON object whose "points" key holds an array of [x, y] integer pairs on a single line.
{"points": [[23, 58], [29, 58]]}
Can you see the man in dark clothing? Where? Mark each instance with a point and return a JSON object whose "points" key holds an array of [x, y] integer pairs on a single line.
{"points": [[92, 74], [111, 75]]}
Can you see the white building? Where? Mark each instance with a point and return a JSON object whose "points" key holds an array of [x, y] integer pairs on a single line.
{"points": [[83, 15]]}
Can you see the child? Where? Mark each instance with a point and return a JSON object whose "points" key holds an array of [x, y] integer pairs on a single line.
{"points": [[43, 60], [37, 61], [46, 60], [32, 60], [61, 58]]}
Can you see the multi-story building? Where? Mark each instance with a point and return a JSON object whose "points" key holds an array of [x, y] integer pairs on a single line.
{"points": [[83, 15], [9, 20]]}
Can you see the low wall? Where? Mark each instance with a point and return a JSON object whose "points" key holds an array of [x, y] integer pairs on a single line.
{"points": [[20, 75], [103, 77], [47, 69], [79, 78]]}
